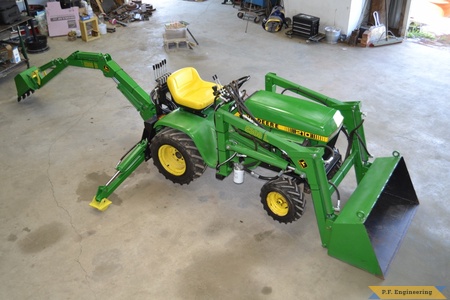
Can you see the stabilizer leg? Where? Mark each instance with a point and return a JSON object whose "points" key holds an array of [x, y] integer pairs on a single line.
{"points": [[127, 164]]}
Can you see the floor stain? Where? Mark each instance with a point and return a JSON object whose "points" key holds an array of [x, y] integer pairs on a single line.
{"points": [[263, 235], [42, 238], [267, 290], [203, 198], [107, 263], [214, 229], [215, 273], [12, 238]]}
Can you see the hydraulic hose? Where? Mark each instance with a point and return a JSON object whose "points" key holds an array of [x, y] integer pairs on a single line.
{"points": [[258, 176], [350, 140], [296, 89]]}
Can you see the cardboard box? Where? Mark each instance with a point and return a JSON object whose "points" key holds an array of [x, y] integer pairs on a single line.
{"points": [[9, 48], [15, 59], [61, 21]]}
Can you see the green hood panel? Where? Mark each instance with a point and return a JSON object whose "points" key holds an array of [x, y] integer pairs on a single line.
{"points": [[295, 115]]}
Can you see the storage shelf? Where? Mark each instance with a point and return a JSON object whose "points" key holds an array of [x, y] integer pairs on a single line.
{"points": [[6, 68], [95, 31]]}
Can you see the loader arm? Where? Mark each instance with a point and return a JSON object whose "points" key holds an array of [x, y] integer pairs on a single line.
{"points": [[34, 78], [368, 231]]}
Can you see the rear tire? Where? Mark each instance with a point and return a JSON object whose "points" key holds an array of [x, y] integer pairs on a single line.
{"points": [[283, 200], [176, 156]]}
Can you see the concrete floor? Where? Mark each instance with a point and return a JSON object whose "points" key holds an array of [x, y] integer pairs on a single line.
{"points": [[211, 239]]}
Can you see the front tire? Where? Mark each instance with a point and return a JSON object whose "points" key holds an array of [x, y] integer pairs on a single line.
{"points": [[283, 200], [176, 156]]}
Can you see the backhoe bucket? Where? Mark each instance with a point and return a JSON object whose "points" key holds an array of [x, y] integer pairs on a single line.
{"points": [[27, 83], [372, 224]]}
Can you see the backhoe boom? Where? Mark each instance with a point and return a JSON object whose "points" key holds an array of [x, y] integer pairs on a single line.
{"points": [[35, 78]]}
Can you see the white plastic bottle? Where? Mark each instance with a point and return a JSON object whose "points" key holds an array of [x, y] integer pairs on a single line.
{"points": [[89, 11]]}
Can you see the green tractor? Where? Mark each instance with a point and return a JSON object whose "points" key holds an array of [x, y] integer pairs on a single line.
{"points": [[191, 124]]}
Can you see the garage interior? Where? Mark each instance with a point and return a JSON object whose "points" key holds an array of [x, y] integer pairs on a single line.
{"points": [[210, 239]]}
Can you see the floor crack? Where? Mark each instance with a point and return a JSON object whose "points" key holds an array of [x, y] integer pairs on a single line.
{"points": [[75, 230]]}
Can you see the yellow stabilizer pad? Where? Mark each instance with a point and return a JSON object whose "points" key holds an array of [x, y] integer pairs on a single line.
{"points": [[102, 205]]}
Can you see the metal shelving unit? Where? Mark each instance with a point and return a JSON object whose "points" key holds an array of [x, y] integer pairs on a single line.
{"points": [[7, 67]]}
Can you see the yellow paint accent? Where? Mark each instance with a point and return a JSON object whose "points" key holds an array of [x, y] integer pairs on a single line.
{"points": [[303, 163], [172, 160], [277, 204], [253, 131], [102, 205], [35, 74], [407, 292], [299, 132], [90, 64]]}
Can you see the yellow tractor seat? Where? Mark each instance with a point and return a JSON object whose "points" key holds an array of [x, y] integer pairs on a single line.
{"points": [[189, 90]]}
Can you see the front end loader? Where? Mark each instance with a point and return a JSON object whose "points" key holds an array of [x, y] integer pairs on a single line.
{"points": [[291, 131]]}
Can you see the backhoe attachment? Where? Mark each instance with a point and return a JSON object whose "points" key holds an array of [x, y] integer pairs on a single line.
{"points": [[35, 78]]}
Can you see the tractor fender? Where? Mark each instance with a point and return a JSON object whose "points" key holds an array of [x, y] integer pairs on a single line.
{"points": [[199, 129]]}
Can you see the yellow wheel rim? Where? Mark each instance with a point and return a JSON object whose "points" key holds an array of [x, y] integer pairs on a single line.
{"points": [[277, 204], [172, 160]]}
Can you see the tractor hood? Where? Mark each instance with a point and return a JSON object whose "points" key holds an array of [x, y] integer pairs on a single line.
{"points": [[295, 115]]}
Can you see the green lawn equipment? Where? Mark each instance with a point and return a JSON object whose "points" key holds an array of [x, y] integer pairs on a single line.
{"points": [[191, 124]]}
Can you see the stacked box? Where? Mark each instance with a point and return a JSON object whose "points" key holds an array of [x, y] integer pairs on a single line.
{"points": [[61, 21], [305, 25], [15, 59]]}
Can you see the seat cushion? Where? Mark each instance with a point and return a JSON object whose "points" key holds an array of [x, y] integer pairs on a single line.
{"points": [[189, 90]]}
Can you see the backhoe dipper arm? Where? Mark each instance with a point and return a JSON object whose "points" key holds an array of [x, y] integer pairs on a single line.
{"points": [[34, 78]]}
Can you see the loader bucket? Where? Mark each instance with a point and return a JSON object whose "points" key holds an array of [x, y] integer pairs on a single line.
{"points": [[372, 224], [27, 83]]}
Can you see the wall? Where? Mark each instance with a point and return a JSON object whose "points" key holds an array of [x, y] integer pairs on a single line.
{"points": [[21, 3], [343, 14]]}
